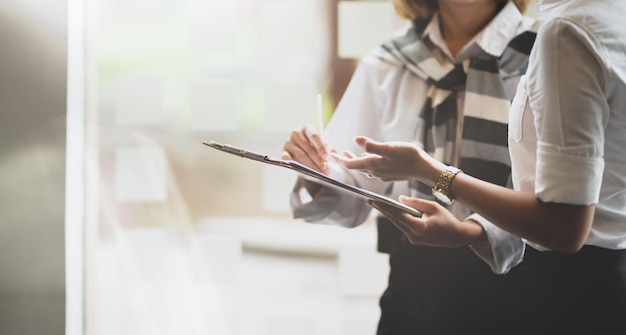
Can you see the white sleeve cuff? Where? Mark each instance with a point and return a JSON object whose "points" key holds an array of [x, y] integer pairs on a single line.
{"points": [[563, 167], [502, 251], [329, 206]]}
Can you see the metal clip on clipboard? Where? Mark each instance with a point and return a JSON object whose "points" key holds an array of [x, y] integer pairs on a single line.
{"points": [[237, 151]]}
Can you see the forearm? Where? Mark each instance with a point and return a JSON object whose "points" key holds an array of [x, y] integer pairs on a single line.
{"points": [[560, 227]]}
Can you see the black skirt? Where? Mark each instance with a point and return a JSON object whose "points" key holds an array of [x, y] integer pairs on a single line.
{"points": [[581, 293], [440, 291]]}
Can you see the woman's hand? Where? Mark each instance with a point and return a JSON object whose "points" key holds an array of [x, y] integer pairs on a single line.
{"points": [[437, 227], [391, 161], [305, 146]]}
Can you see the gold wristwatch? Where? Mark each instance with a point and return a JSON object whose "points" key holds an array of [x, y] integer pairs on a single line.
{"points": [[441, 190]]}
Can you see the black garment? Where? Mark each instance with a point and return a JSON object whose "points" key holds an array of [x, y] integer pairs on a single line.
{"points": [[581, 293], [447, 291], [452, 291]]}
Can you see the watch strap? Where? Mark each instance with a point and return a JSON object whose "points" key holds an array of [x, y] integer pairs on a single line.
{"points": [[445, 180]]}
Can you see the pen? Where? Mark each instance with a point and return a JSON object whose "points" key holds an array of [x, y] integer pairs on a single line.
{"points": [[320, 115], [320, 124]]}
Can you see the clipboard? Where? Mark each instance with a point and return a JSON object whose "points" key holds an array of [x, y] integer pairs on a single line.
{"points": [[308, 172]]}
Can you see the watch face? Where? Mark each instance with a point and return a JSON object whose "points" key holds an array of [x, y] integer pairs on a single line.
{"points": [[442, 197]]}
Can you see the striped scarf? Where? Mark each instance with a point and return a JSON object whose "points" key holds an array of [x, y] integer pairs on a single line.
{"points": [[482, 149]]}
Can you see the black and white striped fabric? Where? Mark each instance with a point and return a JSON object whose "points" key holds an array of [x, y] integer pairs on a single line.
{"points": [[482, 149]]}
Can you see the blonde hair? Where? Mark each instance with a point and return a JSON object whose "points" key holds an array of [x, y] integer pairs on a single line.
{"points": [[424, 9]]}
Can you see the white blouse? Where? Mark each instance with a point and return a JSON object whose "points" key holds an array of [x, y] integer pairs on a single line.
{"points": [[383, 101], [567, 127]]}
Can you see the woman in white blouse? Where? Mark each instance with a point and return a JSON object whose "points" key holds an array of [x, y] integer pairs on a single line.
{"points": [[567, 138], [427, 85]]}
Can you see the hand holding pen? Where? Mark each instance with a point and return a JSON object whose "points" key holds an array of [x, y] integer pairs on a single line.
{"points": [[306, 145]]}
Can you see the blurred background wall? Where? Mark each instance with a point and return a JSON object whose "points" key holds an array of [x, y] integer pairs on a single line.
{"points": [[32, 166], [178, 239]]}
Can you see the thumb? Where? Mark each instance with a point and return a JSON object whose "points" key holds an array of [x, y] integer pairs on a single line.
{"points": [[417, 203]]}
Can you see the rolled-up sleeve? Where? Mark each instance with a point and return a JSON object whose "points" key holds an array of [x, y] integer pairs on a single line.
{"points": [[567, 96]]}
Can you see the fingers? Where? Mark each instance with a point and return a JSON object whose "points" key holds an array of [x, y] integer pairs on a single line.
{"points": [[306, 147], [306, 157], [437, 226], [316, 140], [350, 161], [425, 206], [364, 164], [371, 146], [412, 227], [393, 212]]}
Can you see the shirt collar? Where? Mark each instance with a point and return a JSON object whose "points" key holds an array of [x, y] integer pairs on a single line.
{"points": [[433, 33], [493, 39], [544, 7]]}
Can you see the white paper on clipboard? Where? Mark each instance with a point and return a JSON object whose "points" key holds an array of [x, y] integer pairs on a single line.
{"points": [[310, 173]]}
